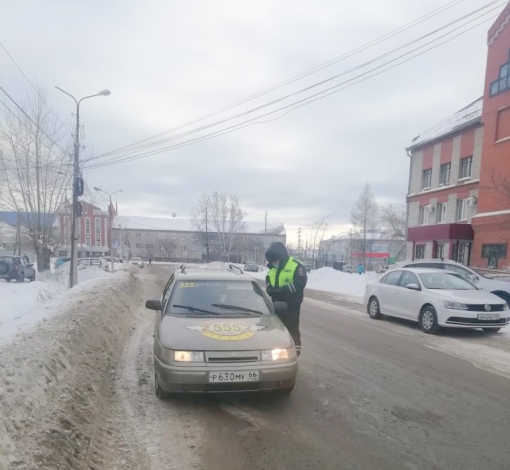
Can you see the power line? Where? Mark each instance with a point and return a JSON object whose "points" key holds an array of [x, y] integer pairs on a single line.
{"points": [[30, 119], [34, 88], [302, 75], [183, 134], [300, 103]]}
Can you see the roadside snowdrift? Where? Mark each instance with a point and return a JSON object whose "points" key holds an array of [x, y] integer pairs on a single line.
{"points": [[52, 379]]}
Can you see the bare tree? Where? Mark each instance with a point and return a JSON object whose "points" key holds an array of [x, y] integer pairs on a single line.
{"points": [[201, 220], [365, 216], [393, 220], [35, 169], [226, 217], [318, 230], [500, 185]]}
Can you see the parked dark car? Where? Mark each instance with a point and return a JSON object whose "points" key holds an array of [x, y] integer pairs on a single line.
{"points": [[16, 268]]}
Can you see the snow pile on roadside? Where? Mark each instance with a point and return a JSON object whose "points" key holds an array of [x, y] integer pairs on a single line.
{"points": [[335, 282], [23, 305], [53, 378]]}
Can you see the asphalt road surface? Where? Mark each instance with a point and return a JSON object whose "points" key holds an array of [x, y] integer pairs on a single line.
{"points": [[371, 395]]}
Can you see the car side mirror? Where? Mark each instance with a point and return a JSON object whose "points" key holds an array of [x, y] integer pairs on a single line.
{"points": [[153, 305], [473, 278], [413, 287], [280, 306]]}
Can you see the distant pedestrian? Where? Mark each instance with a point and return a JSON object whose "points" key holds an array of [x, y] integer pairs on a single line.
{"points": [[26, 258], [150, 260], [361, 269]]}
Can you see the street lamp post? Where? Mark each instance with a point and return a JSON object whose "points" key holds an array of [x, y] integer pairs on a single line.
{"points": [[73, 274], [110, 211]]}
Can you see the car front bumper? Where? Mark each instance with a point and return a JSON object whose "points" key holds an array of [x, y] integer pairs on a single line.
{"points": [[196, 379], [469, 319]]}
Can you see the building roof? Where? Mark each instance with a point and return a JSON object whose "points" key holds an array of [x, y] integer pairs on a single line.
{"points": [[466, 117], [187, 225], [499, 25]]}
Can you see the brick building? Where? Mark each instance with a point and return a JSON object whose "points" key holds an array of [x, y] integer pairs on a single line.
{"points": [[445, 163], [492, 222]]}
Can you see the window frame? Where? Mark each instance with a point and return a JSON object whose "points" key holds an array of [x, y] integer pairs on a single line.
{"points": [[426, 175], [442, 172], [421, 246], [442, 209], [460, 209], [466, 162]]}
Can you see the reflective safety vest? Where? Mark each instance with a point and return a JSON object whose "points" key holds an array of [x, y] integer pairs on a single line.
{"points": [[285, 274]]}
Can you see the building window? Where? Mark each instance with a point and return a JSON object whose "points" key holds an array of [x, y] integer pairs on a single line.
{"points": [[465, 167], [138, 245], [423, 216], [150, 246], [462, 210], [183, 236], [440, 250], [161, 235], [444, 176], [426, 179], [247, 238], [194, 236], [183, 248], [419, 252], [97, 226], [138, 235], [494, 252], [503, 81], [173, 236], [149, 234], [442, 209]]}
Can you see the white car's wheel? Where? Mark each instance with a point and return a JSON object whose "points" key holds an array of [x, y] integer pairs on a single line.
{"points": [[374, 309], [428, 320]]}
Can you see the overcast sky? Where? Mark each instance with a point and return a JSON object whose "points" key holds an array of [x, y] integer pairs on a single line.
{"points": [[169, 62]]}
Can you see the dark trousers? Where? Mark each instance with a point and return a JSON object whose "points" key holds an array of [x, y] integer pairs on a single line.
{"points": [[290, 319]]}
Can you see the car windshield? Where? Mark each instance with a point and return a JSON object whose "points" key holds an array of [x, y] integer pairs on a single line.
{"points": [[218, 297], [136, 259], [445, 281]]}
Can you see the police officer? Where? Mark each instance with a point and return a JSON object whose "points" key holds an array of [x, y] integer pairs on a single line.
{"points": [[285, 282]]}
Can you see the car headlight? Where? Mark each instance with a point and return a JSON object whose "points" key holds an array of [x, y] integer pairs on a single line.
{"points": [[274, 355], [188, 356], [455, 306]]}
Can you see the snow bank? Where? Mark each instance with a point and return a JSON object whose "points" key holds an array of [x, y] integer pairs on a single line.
{"points": [[53, 378], [333, 281], [23, 305]]}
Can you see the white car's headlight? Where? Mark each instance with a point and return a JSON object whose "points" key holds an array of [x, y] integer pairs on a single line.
{"points": [[455, 306], [275, 355], [188, 356]]}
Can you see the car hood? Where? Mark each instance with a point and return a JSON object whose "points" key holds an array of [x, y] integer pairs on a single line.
{"points": [[223, 333], [468, 296], [494, 284]]}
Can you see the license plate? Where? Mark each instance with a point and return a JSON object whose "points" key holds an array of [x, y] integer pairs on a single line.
{"points": [[234, 376], [488, 316]]}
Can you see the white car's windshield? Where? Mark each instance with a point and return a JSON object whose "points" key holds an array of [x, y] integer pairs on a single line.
{"points": [[222, 297], [445, 281]]}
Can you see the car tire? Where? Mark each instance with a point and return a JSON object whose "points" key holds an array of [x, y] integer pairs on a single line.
{"points": [[21, 277], [374, 309], [491, 330], [428, 320], [160, 393]]}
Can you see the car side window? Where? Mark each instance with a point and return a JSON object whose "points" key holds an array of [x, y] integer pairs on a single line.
{"points": [[426, 265], [409, 278], [95, 262], [167, 292], [392, 278], [462, 271]]}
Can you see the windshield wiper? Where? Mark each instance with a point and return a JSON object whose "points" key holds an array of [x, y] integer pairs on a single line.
{"points": [[236, 307], [195, 309]]}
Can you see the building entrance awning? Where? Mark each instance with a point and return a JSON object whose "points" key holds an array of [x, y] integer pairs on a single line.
{"points": [[439, 232]]}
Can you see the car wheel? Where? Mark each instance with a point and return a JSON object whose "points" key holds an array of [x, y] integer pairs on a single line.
{"points": [[491, 330], [160, 393], [374, 309], [21, 277], [428, 320], [286, 391]]}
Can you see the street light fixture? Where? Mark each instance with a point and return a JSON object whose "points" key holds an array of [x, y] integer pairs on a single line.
{"points": [[73, 273], [110, 211]]}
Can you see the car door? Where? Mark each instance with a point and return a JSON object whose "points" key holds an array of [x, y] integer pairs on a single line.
{"points": [[409, 300], [387, 292]]}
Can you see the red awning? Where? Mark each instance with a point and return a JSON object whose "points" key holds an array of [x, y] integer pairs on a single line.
{"points": [[439, 232]]}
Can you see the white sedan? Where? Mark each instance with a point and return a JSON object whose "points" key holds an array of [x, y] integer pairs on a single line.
{"points": [[435, 298]]}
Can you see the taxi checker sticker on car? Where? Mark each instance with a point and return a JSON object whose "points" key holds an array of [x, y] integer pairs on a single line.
{"points": [[227, 330]]}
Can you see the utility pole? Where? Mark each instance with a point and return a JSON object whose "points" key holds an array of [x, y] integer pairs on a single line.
{"points": [[299, 243], [77, 186], [265, 224], [206, 232]]}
